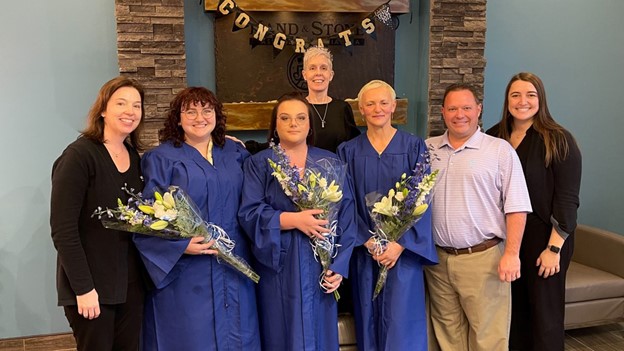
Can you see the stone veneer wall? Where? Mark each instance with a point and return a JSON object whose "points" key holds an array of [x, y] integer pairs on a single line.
{"points": [[456, 52], [150, 46]]}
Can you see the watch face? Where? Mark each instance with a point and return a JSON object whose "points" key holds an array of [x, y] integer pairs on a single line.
{"points": [[554, 248]]}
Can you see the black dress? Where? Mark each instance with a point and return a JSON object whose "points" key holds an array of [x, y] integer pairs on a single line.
{"points": [[537, 319]]}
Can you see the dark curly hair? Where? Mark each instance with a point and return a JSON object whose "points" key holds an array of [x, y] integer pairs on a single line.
{"points": [[172, 130], [297, 96]]}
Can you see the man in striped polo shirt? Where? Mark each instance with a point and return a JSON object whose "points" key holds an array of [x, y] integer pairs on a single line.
{"points": [[479, 210]]}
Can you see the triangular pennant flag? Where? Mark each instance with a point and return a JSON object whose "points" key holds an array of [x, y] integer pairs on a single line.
{"points": [[368, 24], [241, 21], [382, 15], [252, 40], [225, 8], [349, 49], [276, 52]]}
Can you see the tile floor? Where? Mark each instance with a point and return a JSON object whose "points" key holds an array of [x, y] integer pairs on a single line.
{"points": [[602, 338]]}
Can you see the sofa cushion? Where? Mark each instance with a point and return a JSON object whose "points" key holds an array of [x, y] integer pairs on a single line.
{"points": [[584, 283], [346, 330]]}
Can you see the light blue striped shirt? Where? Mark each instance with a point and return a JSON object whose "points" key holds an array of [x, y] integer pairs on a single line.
{"points": [[478, 184]]}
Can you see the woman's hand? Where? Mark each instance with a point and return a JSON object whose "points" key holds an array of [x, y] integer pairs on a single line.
{"points": [[89, 304], [195, 247], [306, 222], [389, 257], [331, 281], [235, 139], [548, 263]]}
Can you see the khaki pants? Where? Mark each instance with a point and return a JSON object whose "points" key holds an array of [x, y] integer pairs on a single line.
{"points": [[470, 306]]}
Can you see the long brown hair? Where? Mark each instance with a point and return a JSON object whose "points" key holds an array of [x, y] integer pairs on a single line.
{"points": [[172, 131], [95, 122], [550, 131], [296, 96]]}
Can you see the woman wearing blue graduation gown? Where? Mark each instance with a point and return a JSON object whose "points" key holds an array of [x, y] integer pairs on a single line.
{"points": [[295, 312], [198, 303], [396, 319]]}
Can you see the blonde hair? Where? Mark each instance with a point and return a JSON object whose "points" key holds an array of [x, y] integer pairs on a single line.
{"points": [[315, 51], [374, 84]]}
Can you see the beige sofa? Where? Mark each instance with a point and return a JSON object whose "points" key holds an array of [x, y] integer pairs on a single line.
{"points": [[595, 280]]}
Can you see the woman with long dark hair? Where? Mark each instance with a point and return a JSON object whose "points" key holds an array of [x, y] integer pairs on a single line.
{"points": [[551, 161]]}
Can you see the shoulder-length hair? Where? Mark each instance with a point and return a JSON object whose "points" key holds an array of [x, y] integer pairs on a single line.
{"points": [[95, 122], [296, 96], [550, 131], [172, 130]]}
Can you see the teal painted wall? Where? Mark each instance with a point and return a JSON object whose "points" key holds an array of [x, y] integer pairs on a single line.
{"points": [[54, 56], [577, 48]]}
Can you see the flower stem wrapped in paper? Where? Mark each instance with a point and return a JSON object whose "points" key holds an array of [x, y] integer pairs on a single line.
{"points": [[172, 215], [318, 188], [398, 211]]}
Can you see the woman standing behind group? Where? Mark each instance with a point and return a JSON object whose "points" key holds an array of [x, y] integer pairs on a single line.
{"points": [[198, 303], [295, 313], [551, 161], [396, 319], [332, 118], [99, 272]]}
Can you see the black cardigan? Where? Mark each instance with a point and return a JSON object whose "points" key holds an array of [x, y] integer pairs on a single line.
{"points": [[90, 256], [554, 190]]}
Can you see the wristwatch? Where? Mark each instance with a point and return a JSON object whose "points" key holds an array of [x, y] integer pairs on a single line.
{"points": [[554, 248]]}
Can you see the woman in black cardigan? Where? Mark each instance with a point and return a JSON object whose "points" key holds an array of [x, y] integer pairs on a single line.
{"points": [[551, 161], [99, 273]]}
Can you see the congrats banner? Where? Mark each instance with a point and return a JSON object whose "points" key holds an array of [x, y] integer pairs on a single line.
{"points": [[261, 33]]}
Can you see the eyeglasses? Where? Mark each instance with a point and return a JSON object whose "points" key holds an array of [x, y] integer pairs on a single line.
{"points": [[299, 120], [192, 114]]}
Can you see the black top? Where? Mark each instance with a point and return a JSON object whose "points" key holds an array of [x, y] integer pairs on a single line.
{"points": [[339, 124], [90, 256], [554, 190]]}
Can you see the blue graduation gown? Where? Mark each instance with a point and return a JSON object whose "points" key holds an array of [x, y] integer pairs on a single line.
{"points": [[198, 303], [396, 319], [295, 314]]}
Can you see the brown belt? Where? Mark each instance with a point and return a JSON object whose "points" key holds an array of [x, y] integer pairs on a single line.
{"points": [[477, 248]]}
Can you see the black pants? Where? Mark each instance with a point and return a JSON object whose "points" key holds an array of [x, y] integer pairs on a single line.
{"points": [[118, 328], [538, 304]]}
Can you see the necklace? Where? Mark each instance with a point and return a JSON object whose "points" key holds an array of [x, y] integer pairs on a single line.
{"points": [[319, 114], [110, 149]]}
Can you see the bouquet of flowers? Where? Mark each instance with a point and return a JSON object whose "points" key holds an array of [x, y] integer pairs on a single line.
{"points": [[172, 215], [398, 211], [317, 188]]}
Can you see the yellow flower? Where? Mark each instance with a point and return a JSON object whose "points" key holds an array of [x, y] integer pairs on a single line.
{"points": [[159, 225], [147, 209], [332, 194], [302, 188], [313, 177], [384, 206], [418, 211], [168, 201]]}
